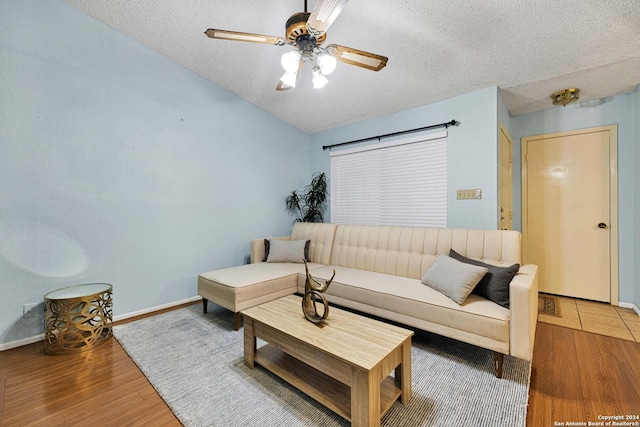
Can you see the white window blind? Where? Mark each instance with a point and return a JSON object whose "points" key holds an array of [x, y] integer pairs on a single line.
{"points": [[403, 182]]}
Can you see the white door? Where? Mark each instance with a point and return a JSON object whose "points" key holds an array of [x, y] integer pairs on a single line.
{"points": [[569, 211]]}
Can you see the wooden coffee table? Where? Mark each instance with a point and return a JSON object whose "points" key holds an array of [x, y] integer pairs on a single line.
{"points": [[343, 363]]}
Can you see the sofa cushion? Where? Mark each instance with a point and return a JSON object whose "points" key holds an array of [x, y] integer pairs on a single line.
{"points": [[249, 274], [294, 251], [453, 278], [410, 297], [244, 286], [495, 284]]}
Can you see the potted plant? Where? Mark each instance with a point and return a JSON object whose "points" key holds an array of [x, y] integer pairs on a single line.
{"points": [[309, 205]]}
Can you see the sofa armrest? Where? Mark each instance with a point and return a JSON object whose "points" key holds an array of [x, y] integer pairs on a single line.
{"points": [[523, 302], [257, 248]]}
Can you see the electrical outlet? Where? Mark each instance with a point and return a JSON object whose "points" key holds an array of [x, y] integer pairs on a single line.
{"points": [[473, 193], [29, 310]]}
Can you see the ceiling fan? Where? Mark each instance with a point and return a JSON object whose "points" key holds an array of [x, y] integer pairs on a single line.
{"points": [[307, 32]]}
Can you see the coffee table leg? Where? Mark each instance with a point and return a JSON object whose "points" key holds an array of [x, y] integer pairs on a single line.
{"points": [[249, 343], [403, 372], [365, 398]]}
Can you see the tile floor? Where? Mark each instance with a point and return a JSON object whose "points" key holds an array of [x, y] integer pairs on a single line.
{"points": [[596, 317]]}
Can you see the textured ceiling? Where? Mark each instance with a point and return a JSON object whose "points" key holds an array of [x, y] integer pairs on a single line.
{"points": [[437, 49]]}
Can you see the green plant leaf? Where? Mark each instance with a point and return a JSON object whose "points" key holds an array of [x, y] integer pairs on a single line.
{"points": [[309, 206]]}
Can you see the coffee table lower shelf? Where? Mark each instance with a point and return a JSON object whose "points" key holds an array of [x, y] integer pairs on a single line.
{"points": [[326, 390]]}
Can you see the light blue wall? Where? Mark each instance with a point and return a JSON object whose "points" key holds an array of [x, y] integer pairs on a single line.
{"points": [[471, 150], [118, 165], [618, 110]]}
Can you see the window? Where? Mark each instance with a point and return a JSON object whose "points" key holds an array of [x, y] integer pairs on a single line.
{"points": [[403, 182]]}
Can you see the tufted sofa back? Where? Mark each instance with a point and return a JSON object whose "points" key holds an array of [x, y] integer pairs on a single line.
{"points": [[321, 236], [410, 251]]}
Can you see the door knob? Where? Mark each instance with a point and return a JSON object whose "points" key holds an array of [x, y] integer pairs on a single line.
{"points": [[603, 225]]}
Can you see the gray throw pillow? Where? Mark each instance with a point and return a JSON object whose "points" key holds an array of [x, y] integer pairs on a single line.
{"points": [[453, 278], [494, 286], [287, 250]]}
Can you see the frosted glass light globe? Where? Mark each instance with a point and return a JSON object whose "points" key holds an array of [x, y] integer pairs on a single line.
{"points": [[327, 63], [290, 61], [319, 80], [289, 79]]}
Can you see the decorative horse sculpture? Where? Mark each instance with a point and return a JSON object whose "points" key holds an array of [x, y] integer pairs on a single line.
{"points": [[313, 295]]}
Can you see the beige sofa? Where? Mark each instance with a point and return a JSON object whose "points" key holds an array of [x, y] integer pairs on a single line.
{"points": [[379, 271]]}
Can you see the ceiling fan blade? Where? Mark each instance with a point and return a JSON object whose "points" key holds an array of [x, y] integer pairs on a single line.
{"points": [[245, 37], [360, 58], [323, 14]]}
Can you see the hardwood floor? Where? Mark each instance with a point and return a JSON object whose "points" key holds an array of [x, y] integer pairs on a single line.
{"points": [[576, 376], [99, 387]]}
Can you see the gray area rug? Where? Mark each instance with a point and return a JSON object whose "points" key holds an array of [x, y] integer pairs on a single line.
{"points": [[195, 362]]}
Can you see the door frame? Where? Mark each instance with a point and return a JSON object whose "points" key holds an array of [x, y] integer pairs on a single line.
{"points": [[613, 201]]}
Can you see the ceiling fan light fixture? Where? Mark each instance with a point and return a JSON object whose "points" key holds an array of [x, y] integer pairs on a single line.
{"points": [[290, 61], [327, 63], [289, 79], [319, 80]]}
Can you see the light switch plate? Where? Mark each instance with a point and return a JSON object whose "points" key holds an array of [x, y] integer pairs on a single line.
{"points": [[469, 194]]}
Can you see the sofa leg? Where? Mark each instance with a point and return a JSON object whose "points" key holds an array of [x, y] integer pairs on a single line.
{"points": [[498, 359], [204, 305], [236, 320]]}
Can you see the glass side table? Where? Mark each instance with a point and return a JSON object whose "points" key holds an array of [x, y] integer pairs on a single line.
{"points": [[77, 318]]}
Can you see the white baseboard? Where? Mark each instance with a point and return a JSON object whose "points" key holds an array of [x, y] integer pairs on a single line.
{"points": [[631, 306], [156, 308], [19, 343], [40, 337]]}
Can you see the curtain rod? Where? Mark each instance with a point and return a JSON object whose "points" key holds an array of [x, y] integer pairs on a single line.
{"points": [[439, 125]]}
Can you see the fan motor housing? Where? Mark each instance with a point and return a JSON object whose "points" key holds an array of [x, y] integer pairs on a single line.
{"points": [[297, 26]]}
